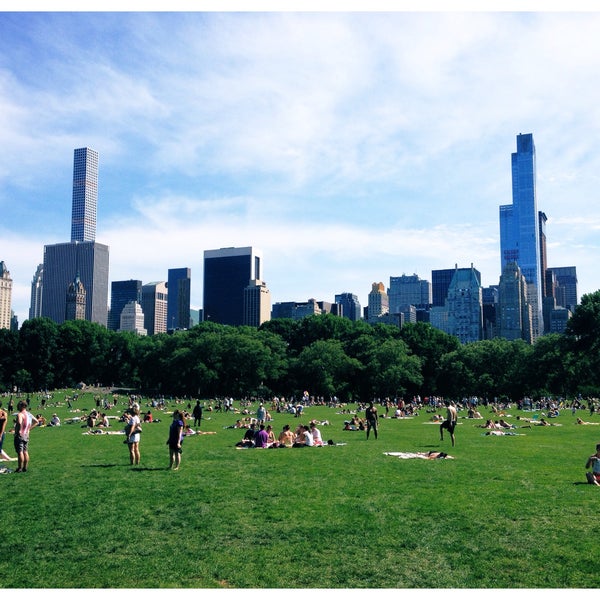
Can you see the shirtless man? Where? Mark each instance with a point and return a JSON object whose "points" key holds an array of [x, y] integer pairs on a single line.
{"points": [[450, 422], [372, 419], [24, 422]]}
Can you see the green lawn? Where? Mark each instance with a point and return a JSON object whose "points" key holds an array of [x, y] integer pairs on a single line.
{"points": [[507, 512]]}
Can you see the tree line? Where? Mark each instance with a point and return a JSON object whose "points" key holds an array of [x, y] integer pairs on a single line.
{"points": [[323, 354]]}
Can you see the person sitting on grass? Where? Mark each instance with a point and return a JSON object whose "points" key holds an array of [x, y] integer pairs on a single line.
{"points": [[248, 440], [593, 461], [304, 438], [505, 425], [287, 437], [316, 434]]}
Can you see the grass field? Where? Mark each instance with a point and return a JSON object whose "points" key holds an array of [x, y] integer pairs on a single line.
{"points": [[507, 512]]}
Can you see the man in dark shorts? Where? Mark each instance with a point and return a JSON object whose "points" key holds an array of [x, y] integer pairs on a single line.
{"points": [[24, 423], [372, 419], [450, 422]]}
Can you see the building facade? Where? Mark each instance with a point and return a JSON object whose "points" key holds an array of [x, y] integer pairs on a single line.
{"points": [[5, 296], [85, 195], [35, 302], [409, 290], [520, 227], [350, 306], [440, 282], [132, 318], [378, 302], [154, 307], [121, 293], [464, 305], [514, 319], [179, 286], [257, 303], [227, 274], [75, 309], [566, 286]]}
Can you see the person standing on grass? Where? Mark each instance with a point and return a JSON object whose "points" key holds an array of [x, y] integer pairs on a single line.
{"points": [[197, 414], [24, 423], [133, 431], [450, 422], [3, 422], [372, 419], [593, 461], [175, 440]]}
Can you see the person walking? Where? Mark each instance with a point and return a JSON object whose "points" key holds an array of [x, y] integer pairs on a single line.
{"points": [[450, 422], [372, 419], [3, 422], [24, 423], [175, 440], [197, 414]]}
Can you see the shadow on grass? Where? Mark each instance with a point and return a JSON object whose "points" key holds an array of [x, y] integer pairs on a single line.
{"points": [[100, 466]]}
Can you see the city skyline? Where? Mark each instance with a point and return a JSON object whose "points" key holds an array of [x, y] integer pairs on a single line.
{"points": [[382, 148]]}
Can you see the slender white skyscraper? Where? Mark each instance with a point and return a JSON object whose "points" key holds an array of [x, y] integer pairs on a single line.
{"points": [[85, 195]]}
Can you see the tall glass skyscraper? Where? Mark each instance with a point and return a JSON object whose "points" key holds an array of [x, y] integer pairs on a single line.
{"points": [[179, 283], [85, 195], [227, 273], [519, 227], [121, 294]]}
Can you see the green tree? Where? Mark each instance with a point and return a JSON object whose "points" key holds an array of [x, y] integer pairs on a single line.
{"points": [[37, 347], [9, 343]]}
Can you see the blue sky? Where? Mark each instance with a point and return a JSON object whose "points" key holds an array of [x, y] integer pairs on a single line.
{"points": [[348, 147]]}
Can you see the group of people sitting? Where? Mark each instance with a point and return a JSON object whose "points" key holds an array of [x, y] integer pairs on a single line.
{"points": [[260, 435]]}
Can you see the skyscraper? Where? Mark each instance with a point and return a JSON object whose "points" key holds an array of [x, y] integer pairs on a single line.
{"points": [[178, 304], [464, 304], [154, 307], [351, 308], [5, 296], [85, 195], [227, 273], [514, 320], [440, 282], [121, 293], [83, 255], [132, 319], [408, 290], [566, 282], [257, 303], [520, 227], [378, 302], [35, 303]]}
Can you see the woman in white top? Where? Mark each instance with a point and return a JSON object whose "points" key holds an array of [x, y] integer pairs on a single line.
{"points": [[133, 430]]}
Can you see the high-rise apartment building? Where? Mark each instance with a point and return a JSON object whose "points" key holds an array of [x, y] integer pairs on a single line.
{"points": [[257, 303], [121, 293], [179, 285], [5, 296], [566, 284], [520, 227], [514, 318], [83, 255], [85, 195], [378, 302], [464, 305], [154, 307], [35, 302], [227, 274], [350, 304], [409, 290], [132, 319]]}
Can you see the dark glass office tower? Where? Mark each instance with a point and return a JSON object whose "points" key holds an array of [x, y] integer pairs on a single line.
{"points": [[227, 273], [62, 262], [520, 227], [440, 282], [178, 304], [351, 308], [121, 293]]}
